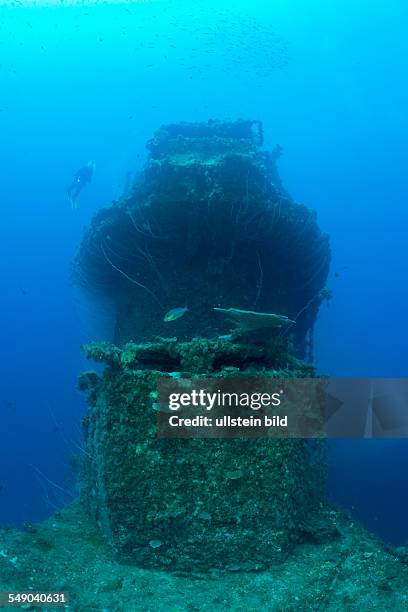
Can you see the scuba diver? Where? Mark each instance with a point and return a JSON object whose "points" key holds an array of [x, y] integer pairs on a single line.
{"points": [[82, 178]]}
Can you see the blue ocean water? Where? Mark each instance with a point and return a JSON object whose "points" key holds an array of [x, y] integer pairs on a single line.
{"points": [[93, 81]]}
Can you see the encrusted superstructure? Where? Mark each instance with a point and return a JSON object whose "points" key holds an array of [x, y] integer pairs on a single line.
{"points": [[208, 231], [207, 225]]}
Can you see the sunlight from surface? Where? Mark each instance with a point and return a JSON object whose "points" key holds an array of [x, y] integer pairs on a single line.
{"points": [[25, 3]]}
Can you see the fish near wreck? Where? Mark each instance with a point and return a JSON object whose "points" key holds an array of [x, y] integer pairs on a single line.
{"points": [[174, 314]]}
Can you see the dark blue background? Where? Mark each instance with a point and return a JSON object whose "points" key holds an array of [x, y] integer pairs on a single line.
{"points": [[93, 82]]}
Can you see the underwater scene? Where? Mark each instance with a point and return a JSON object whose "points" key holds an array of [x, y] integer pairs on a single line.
{"points": [[203, 376]]}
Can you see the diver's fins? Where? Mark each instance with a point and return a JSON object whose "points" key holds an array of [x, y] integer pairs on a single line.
{"points": [[73, 203]]}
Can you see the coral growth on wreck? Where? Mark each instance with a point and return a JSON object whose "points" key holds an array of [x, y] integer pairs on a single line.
{"points": [[207, 225], [210, 228], [196, 503]]}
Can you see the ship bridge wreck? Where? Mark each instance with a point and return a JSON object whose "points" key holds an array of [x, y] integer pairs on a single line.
{"points": [[208, 227]]}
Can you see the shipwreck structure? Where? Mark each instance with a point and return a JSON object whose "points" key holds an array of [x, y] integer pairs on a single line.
{"points": [[209, 227]]}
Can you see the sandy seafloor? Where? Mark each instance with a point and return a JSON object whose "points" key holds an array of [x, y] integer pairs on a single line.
{"points": [[355, 571]]}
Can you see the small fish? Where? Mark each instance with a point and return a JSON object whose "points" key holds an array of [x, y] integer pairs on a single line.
{"points": [[175, 313], [9, 404]]}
